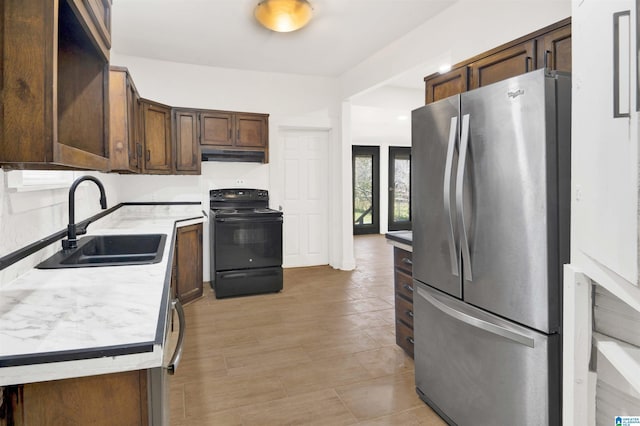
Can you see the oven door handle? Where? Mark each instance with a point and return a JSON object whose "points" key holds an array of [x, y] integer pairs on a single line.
{"points": [[231, 275], [253, 219], [175, 359]]}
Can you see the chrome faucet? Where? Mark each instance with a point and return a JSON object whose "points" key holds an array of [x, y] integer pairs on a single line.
{"points": [[71, 242]]}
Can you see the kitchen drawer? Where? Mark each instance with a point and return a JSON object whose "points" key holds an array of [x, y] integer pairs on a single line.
{"points": [[404, 285], [404, 311], [404, 337], [402, 259], [508, 374]]}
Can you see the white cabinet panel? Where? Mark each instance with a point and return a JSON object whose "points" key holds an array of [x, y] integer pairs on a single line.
{"points": [[605, 147]]}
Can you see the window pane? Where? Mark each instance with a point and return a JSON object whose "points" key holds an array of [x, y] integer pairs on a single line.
{"points": [[402, 190], [363, 194]]}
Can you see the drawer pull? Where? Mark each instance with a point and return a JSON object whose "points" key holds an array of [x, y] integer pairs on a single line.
{"points": [[409, 339], [407, 287], [407, 261], [408, 313]]}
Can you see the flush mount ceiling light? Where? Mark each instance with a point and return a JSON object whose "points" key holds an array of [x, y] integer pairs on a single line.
{"points": [[283, 16]]}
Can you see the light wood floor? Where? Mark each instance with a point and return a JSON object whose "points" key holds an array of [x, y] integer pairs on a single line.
{"points": [[321, 352]]}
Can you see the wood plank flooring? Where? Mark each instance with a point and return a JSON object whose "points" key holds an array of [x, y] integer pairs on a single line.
{"points": [[321, 352]]}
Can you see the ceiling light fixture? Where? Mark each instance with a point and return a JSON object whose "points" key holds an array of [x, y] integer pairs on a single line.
{"points": [[283, 16], [444, 68]]}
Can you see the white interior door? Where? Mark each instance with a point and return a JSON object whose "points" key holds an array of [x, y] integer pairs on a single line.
{"points": [[305, 200]]}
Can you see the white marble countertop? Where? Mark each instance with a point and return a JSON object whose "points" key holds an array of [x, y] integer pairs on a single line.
{"points": [[59, 323]]}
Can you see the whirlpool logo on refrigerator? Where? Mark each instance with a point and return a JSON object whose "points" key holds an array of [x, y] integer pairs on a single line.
{"points": [[515, 93]]}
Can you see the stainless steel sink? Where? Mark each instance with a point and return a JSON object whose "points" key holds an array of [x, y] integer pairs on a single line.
{"points": [[109, 250]]}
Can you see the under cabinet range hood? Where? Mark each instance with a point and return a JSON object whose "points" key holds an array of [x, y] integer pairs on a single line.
{"points": [[211, 154]]}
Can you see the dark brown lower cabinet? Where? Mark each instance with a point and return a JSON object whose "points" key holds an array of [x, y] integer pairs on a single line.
{"points": [[188, 270], [403, 282], [108, 399]]}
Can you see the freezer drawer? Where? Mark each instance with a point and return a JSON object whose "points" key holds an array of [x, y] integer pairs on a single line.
{"points": [[475, 368]]}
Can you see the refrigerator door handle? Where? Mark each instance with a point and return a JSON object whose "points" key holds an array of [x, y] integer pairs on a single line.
{"points": [[453, 131], [477, 322], [462, 161]]}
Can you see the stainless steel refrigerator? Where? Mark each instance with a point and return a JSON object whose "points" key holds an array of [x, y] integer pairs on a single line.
{"points": [[491, 184]]}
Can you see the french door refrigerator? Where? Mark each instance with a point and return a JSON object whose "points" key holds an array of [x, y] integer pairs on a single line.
{"points": [[491, 183]]}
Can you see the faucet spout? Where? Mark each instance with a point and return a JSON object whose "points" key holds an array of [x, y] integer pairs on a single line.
{"points": [[71, 242]]}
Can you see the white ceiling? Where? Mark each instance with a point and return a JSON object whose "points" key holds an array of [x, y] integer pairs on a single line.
{"points": [[224, 33], [342, 33]]}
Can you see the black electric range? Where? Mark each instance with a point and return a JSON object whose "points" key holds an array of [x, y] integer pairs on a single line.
{"points": [[246, 243]]}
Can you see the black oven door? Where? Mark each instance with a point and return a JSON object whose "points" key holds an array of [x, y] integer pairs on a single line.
{"points": [[249, 242]]}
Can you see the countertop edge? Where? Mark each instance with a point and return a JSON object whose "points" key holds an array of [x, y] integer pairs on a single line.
{"points": [[399, 240]]}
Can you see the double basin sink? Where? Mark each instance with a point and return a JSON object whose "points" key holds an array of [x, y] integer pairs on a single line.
{"points": [[109, 250]]}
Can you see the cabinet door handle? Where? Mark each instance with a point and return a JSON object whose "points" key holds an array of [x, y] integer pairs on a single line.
{"points": [[229, 134], [407, 261], [547, 54], [238, 135], [621, 63], [148, 155], [409, 339], [175, 359], [527, 60], [407, 287], [408, 313]]}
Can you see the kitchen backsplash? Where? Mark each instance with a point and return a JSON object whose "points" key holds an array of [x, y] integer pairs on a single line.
{"points": [[28, 216]]}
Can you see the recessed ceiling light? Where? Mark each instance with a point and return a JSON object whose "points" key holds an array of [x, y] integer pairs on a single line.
{"points": [[283, 16], [444, 68], [402, 117]]}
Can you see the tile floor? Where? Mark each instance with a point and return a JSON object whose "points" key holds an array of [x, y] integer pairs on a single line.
{"points": [[321, 352]]}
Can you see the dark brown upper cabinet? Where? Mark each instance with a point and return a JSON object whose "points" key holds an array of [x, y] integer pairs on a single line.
{"points": [[444, 85], [507, 63], [186, 146], [217, 128], [54, 79], [238, 131], [251, 130], [125, 115], [96, 19], [554, 49], [156, 134], [550, 47]]}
